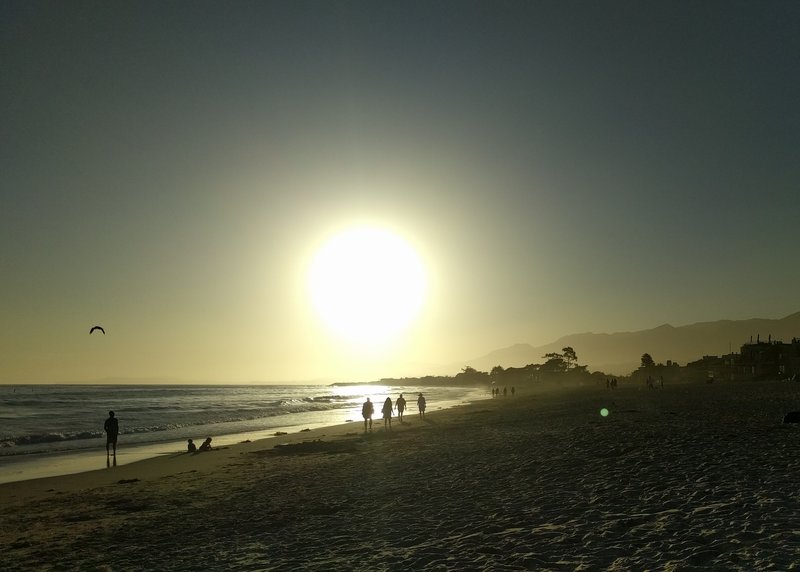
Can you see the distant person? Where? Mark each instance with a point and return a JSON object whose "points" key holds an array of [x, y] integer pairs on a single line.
{"points": [[206, 446], [191, 447], [111, 427], [366, 412], [505, 392], [387, 413], [401, 406], [513, 391], [421, 405]]}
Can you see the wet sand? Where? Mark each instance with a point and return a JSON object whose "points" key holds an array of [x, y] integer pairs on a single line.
{"points": [[691, 477]]}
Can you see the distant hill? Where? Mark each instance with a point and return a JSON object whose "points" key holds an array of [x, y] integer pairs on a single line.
{"points": [[620, 353]]}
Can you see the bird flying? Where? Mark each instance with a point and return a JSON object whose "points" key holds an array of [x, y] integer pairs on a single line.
{"points": [[97, 328]]}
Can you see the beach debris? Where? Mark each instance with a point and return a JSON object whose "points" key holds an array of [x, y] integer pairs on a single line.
{"points": [[306, 430], [127, 481], [316, 446], [792, 417], [97, 328], [279, 433]]}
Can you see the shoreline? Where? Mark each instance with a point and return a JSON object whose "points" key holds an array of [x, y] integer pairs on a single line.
{"points": [[63, 463], [27, 466], [41, 466]]}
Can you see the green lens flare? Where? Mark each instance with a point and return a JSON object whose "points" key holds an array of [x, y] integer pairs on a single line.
{"points": [[604, 412]]}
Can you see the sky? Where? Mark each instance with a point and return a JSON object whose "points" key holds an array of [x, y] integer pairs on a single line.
{"points": [[170, 170]]}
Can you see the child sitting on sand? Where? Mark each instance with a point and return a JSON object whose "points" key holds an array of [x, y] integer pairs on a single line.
{"points": [[206, 446], [191, 447]]}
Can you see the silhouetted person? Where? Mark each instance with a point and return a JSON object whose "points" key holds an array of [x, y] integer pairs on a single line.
{"points": [[421, 405], [387, 413], [401, 406], [206, 446], [190, 446], [111, 427], [505, 392], [366, 412], [513, 391]]}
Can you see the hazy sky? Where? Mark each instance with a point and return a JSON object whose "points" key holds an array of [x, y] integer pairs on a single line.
{"points": [[169, 169]]}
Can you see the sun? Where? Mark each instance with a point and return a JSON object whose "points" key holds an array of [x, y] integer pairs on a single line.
{"points": [[368, 285]]}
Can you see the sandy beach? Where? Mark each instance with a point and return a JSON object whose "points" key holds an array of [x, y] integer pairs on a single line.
{"points": [[691, 477]]}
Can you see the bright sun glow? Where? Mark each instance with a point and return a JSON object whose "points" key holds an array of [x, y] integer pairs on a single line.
{"points": [[368, 285]]}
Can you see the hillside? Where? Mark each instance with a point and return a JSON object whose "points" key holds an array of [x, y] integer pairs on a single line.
{"points": [[620, 353]]}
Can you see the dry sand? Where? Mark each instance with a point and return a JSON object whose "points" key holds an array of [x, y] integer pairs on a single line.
{"points": [[700, 477]]}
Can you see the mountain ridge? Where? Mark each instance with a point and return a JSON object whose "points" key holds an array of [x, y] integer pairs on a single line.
{"points": [[619, 353]]}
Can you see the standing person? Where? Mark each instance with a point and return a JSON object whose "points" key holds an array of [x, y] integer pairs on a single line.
{"points": [[505, 391], [513, 391], [111, 427], [401, 406], [421, 405], [387, 414], [366, 411]]}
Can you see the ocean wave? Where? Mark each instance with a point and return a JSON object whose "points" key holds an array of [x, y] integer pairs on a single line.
{"points": [[48, 438], [288, 407]]}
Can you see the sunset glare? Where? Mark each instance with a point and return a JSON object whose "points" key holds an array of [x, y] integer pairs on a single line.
{"points": [[367, 285]]}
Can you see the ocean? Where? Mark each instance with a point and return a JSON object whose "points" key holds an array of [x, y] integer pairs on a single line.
{"points": [[41, 424]]}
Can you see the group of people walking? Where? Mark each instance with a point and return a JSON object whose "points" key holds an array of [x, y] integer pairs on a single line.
{"points": [[496, 391], [368, 410]]}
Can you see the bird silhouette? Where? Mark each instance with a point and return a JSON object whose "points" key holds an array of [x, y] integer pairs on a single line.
{"points": [[97, 328]]}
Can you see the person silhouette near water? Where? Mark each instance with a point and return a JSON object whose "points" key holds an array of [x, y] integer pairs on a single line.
{"points": [[190, 446], [206, 446], [421, 405], [401, 406], [111, 427], [366, 412], [387, 414]]}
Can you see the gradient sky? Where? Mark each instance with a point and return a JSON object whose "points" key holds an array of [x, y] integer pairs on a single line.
{"points": [[168, 170]]}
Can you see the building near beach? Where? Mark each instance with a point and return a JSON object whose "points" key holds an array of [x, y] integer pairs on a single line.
{"points": [[770, 359]]}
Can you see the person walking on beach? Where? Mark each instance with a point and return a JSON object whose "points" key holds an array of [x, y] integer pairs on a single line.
{"points": [[401, 406], [387, 414], [366, 412], [421, 405], [111, 427]]}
